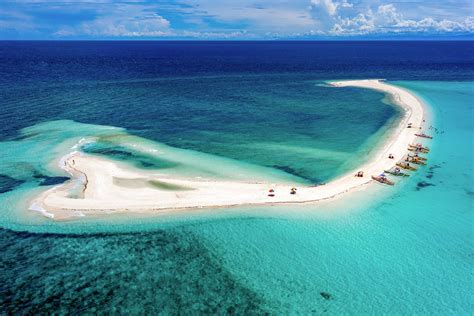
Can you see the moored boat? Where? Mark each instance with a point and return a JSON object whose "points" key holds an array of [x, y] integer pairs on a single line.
{"points": [[383, 179], [418, 150], [397, 172], [406, 165], [418, 157], [423, 135], [414, 160], [419, 146]]}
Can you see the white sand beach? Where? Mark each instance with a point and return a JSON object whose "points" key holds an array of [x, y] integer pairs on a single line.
{"points": [[108, 187]]}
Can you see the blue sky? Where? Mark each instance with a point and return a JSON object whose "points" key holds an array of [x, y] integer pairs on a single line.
{"points": [[237, 19]]}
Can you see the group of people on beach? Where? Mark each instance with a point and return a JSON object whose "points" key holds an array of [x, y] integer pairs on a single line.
{"points": [[271, 192], [73, 162]]}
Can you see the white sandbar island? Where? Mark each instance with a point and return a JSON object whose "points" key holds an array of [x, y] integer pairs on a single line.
{"points": [[108, 188]]}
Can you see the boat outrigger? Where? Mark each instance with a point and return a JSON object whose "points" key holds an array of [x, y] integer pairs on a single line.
{"points": [[417, 150], [383, 179], [406, 165], [415, 160], [415, 155], [418, 147], [396, 171], [423, 135]]}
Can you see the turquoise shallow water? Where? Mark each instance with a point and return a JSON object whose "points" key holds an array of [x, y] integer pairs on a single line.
{"points": [[406, 250], [411, 252]]}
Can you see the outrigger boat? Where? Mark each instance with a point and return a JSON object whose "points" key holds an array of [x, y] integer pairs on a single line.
{"points": [[406, 165], [418, 147], [415, 160], [383, 179], [418, 150], [417, 156], [397, 172], [423, 135]]}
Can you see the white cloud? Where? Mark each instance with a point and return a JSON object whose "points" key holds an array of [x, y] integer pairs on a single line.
{"points": [[234, 19], [277, 16], [16, 20], [389, 13], [360, 24], [387, 19], [125, 20], [429, 24], [215, 35], [64, 33], [331, 6], [469, 23], [122, 20], [152, 25]]}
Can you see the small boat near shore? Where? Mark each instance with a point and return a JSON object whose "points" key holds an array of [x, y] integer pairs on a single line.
{"points": [[418, 147], [414, 160], [418, 150], [397, 172], [418, 157], [406, 165], [423, 135], [383, 179]]}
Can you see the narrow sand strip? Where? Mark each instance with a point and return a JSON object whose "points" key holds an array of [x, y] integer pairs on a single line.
{"points": [[111, 189]]}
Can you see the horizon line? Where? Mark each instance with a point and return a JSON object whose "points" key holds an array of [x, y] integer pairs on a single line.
{"points": [[408, 39]]}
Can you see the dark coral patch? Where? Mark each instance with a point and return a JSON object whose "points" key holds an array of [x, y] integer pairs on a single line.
{"points": [[469, 192], [139, 159], [326, 295], [423, 184], [52, 180], [296, 173], [433, 167], [430, 174], [47, 180], [8, 183], [162, 272]]}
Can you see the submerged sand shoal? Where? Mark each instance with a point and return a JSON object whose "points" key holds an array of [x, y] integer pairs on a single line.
{"points": [[107, 187]]}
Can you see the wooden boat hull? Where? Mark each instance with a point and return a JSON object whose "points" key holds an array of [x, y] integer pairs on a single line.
{"points": [[406, 167], [424, 136], [419, 147], [399, 174], [418, 150], [383, 181]]}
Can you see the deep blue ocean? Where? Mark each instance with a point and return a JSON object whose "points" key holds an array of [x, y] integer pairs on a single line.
{"points": [[237, 110]]}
